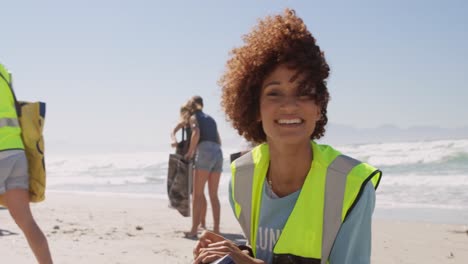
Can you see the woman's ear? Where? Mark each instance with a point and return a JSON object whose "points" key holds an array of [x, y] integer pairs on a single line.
{"points": [[318, 114]]}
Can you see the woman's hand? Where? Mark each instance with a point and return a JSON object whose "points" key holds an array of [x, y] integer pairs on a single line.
{"points": [[211, 247], [174, 144], [189, 155], [204, 241]]}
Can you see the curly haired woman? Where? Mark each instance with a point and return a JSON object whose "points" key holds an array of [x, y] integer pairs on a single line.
{"points": [[297, 201]]}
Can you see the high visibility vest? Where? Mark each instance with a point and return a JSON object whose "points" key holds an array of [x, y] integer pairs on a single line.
{"points": [[330, 191], [10, 131]]}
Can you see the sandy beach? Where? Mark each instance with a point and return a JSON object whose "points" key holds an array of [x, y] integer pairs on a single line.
{"points": [[89, 228]]}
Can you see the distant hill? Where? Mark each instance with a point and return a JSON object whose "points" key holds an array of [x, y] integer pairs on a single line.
{"points": [[344, 134]]}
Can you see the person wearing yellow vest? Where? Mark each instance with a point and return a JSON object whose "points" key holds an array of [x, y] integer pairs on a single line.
{"points": [[296, 201], [14, 178]]}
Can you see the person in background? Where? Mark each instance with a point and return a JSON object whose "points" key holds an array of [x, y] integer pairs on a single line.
{"points": [[182, 147], [14, 177], [205, 148], [297, 201]]}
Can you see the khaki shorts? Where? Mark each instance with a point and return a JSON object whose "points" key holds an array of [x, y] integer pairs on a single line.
{"points": [[13, 170]]}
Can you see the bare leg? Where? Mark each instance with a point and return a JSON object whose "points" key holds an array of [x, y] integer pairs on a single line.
{"points": [[204, 205], [203, 212], [17, 201], [199, 180], [213, 184]]}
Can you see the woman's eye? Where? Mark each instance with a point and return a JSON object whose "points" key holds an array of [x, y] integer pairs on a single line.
{"points": [[272, 93], [307, 96]]}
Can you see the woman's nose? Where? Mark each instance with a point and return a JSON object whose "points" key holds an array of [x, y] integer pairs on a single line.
{"points": [[289, 102]]}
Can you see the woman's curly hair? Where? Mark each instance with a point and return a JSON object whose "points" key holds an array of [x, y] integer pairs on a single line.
{"points": [[280, 39]]}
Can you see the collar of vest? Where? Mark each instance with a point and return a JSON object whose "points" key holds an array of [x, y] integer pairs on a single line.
{"points": [[4, 74], [323, 154]]}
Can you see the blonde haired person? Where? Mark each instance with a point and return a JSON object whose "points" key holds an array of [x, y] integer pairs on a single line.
{"points": [[182, 147]]}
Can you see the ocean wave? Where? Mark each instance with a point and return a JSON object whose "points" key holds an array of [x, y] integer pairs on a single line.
{"points": [[452, 152]]}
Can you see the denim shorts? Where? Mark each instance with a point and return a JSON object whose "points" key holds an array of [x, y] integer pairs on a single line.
{"points": [[209, 157], [13, 170]]}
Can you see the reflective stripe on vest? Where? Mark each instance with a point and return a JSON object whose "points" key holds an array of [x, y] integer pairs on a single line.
{"points": [[243, 191], [334, 193], [338, 199], [10, 122]]}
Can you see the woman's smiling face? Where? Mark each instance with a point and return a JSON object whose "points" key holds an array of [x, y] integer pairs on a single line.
{"points": [[287, 114]]}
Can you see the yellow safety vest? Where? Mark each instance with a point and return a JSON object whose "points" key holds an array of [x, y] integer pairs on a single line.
{"points": [[10, 131], [330, 191]]}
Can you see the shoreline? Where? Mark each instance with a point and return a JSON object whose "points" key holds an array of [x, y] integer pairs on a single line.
{"points": [[117, 229], [435, 215]]}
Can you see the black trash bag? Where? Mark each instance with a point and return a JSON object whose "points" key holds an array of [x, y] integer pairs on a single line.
{"points": [[178, 184]]}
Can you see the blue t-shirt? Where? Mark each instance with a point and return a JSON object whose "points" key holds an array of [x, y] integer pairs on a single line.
{"points": [[352, 244], [274, 212], [208, 128]]}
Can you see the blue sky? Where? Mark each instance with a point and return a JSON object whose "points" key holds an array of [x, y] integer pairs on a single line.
{"points": [[114, 73]]}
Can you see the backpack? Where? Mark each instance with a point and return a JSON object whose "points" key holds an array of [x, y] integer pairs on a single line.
{"points": [[31, 116]]}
